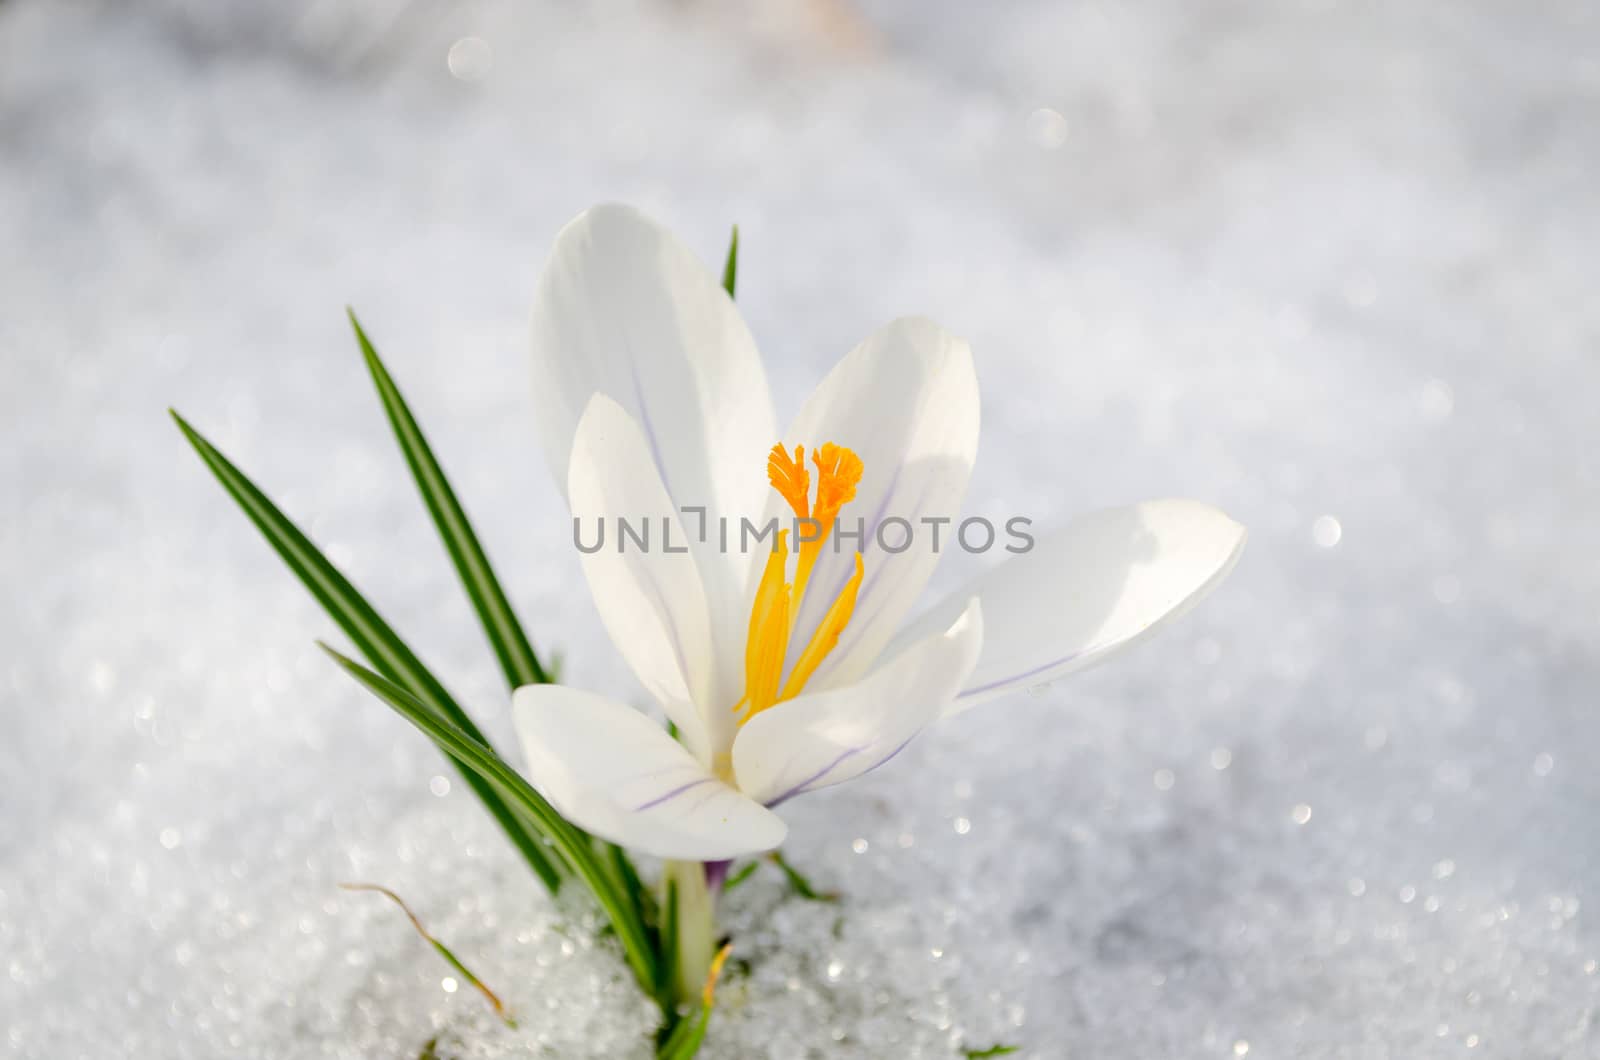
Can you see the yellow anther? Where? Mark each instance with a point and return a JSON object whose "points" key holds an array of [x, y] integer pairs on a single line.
{"points": [[826, 636]]}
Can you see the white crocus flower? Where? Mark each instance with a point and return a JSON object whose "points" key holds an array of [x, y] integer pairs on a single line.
{"points": [[785, 674]]}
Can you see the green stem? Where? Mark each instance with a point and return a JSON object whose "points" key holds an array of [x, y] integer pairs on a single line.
{"points": [[694, 924]]}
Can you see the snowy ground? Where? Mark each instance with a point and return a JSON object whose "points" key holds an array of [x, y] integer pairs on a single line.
{"points": [[1327, 265]]}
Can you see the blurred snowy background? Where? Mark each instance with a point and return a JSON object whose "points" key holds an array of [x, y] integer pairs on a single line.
{"points": [[1329, 265]]}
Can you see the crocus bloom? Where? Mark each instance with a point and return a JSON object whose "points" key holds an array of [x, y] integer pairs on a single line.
{"points": [[790, 668]]}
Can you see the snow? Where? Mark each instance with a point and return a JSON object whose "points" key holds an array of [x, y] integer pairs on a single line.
{"points": [[1328, 266]]}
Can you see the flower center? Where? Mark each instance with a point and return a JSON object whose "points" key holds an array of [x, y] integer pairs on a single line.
{"points": [[777, 602]]}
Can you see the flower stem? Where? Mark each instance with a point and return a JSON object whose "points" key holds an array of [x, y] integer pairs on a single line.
{"points": [[694, 935]]}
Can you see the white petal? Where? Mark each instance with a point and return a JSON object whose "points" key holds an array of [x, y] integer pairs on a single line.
{"points": [[612, 771], [650, 599], [624, 309], [824, 738], [1096, 585], [906, 400]]}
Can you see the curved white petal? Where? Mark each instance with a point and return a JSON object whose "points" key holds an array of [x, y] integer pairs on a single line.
{"points": [[1088, 589], [612, 771], [625, 309], [650, 598], [906, 400], [825, 738]]}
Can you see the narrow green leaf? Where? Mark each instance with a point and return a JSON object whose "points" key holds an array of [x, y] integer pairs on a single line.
{"points": [[370, 633], [440, 948], [625, 870], [669, 938], [993, 1050], [799, 883], [689, 1034], [744, 872], [518, 662], [510, 643], [569, 842], [628, 879], [730, 268]]}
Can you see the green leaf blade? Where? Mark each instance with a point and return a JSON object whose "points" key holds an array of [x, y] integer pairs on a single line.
{"points": [[743, 873], [730, 267], [511, 646], [798, 882], [366, 628], [518, 661], [683, 1041], [440, 948], [572, 844]]}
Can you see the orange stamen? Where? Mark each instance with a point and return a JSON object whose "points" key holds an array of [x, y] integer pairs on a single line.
{"points": [[768, 636], [777, 602], [826, 636], [838, 473]]}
